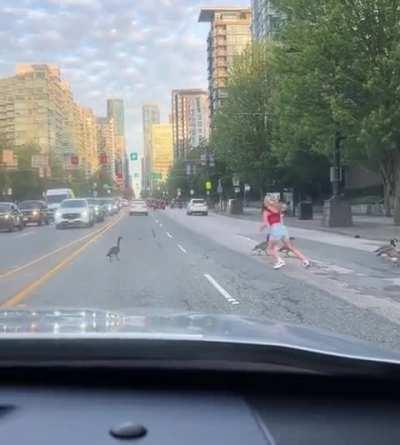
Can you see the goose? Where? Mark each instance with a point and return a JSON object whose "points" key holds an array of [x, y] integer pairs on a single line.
{"points": [[262, 247], [388, 249], [114, 251]]}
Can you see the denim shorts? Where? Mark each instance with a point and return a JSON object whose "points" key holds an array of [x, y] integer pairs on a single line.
{"points": [[278, 232]]}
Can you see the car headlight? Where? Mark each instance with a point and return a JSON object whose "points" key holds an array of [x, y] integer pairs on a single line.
{"points": [[35, 213], [7, 216], [110, 208], [85, 214], [58, 214], [97, 209]]}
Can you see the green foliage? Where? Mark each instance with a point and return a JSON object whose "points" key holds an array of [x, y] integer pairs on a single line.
{"points": [[339, 70], [242, 132]]}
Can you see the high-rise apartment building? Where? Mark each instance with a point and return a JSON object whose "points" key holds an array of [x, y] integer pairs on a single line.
{"points": [[31, 108], [151, 115], [106, 146], [189, 119], [266, 19], [229, 35], [115, 110], [37, 107], [162, 151], [88, 156]]}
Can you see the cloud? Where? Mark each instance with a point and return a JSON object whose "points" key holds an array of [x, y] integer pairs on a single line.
{"points": [[138, 50]]}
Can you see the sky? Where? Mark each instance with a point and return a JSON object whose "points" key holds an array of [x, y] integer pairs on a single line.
{"points": [[138, 50]]}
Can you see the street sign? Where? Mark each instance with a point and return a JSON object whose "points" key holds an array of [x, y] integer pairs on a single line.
{"points": [[179, 192], [220, 189], [247, 188], [235, 181], [336, 174], [134, 156], [156, 175], [208, 185], [191, 192], [237, 189]]}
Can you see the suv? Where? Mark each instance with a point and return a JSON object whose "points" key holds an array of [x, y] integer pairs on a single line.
{"points": [[10, 217], [198, 206], [74, 213], [98, 209], [34, 211]]}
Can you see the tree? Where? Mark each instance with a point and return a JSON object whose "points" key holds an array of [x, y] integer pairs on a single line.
{"points": [[339, 65], [242, 128]]}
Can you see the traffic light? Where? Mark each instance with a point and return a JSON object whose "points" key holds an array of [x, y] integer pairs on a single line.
{"points": [[134, 156]]}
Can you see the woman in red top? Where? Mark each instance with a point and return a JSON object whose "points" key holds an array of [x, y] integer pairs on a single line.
{"points": [[272, 218]]}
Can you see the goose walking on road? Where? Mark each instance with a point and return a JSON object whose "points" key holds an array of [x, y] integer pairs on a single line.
{"points": [[388, 249], [114, 251]]}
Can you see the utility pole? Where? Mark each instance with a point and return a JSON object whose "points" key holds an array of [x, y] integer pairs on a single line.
{"points": [[337, 165]]}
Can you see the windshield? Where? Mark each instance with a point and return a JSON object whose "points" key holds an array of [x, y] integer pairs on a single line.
{"points": [[73, 203], [30, 205], [4, 207], [245, 156], [56, 199]]}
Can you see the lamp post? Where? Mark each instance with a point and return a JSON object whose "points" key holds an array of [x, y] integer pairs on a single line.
{"points": [[337, 211], [336, 176]]}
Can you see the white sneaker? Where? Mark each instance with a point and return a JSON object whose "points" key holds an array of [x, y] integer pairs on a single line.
{"points": [[279, 264], [306, 264]]}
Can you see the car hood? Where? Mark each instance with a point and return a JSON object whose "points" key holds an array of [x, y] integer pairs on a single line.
{"points": [[185, 326], [72, 209]]}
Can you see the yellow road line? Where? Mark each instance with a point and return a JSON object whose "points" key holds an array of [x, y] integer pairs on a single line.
{"points": [[24, 293], [49, 254]]}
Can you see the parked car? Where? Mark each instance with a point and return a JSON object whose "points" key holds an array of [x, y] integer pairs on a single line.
{"points": [[197, 206], [34, 211], [11, 217], [98, 209], [138, 207], [74, 213]]}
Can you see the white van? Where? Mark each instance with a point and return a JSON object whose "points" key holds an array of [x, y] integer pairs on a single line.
{"points": [[54, 198]]}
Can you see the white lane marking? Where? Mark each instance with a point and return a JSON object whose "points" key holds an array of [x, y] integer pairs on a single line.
{"points": [[228, 297], [169, 235], [157, 221], [182, 248], [161, 225], [246, 238]]}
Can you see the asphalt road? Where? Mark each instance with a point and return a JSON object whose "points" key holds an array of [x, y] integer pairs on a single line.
{"points": [[172, 262]]}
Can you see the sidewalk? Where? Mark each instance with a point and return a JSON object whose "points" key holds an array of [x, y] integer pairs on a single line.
{"points": [[378, 228]]}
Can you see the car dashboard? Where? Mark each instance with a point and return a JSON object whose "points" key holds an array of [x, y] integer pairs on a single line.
{"points": [[107, 406]]}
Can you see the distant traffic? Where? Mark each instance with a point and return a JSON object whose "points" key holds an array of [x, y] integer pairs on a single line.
{"points": [[63, 209]]}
